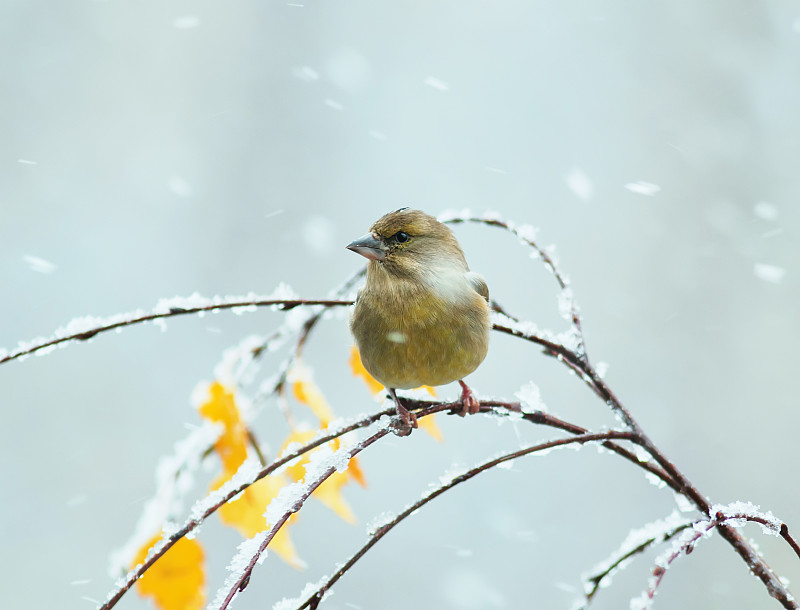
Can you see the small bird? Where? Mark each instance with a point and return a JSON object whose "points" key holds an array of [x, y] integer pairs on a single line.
{"points": [[422, 318]]}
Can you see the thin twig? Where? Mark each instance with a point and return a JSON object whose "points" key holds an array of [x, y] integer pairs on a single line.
{"points": [[597, 579], [683, 486], [578, 362], [548, 261], [195, 522], [313, 601], [702, 528], [422, 408], [283, 304], [251, 438], [575, 360], [241, 581]]}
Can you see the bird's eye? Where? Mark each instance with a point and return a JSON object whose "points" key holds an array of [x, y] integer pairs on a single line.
{"points": [[401, 237]]}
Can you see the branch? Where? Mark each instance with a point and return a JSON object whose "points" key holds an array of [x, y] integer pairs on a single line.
{"points": [[682, 484], [545, 419], [122, 320], [690, 538], [240, 581], [571, 353], [196, 521], [315, 599], [595, 581], [526, 235], [422, 408]]}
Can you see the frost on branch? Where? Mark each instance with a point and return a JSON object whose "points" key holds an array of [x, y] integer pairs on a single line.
{"points": [[740, 513], [283, 292], [84, 328], [531, 398], [637, 541], [308, 590], [259, 498], [245, 553]]}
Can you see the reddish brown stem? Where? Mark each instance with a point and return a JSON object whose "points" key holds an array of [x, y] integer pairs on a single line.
{"points": [[283, 304], [313, 601]]}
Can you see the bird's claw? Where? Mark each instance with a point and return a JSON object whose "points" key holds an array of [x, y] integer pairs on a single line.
{"points": [[406, 421], [470, 404]]}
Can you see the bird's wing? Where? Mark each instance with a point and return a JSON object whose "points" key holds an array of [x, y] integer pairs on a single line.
{"points": [[478, 284]]}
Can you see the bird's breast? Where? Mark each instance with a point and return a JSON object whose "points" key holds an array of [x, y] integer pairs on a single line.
{"points": [[421, 337]]}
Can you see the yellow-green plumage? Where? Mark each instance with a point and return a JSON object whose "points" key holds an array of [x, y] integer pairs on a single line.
{"points": [[422, 317]]}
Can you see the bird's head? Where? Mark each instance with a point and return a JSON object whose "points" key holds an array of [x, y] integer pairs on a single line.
{"points": [[406, 242]]}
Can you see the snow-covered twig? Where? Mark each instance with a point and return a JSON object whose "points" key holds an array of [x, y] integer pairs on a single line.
{"points": [[313, 601], [567, 348], [637, 542], [701, 528], [422, 408], [527, 235], [290, 504], [201, 514], [83, 329], [577, 361]]}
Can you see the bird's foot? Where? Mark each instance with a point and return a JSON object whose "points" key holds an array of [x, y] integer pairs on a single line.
{"points": [[470, 404], [406, 420]]}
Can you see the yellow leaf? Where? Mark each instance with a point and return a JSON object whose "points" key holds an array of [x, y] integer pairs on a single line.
{"points": [[431, 427], [221, 407], [246, 514], [355, 472], [329, 493], [353, 466], [307, 393], [359, 371], [429, 389], [177, 580], [297, 471]]}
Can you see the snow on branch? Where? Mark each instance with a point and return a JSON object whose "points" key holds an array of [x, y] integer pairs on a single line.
{"points": [[637, 542], [735, 515], [288, 502], [237, 366], [446, 483], [87, 327], [526, 234]]}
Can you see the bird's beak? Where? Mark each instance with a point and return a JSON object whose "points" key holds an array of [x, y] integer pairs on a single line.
{"points": [[368, 247]]}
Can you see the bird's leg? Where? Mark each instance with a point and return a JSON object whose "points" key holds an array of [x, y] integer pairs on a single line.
{"points": [[470, 404], [407, 419]]}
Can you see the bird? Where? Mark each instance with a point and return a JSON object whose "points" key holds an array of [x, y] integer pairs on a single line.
{"points": [[422, 317]]}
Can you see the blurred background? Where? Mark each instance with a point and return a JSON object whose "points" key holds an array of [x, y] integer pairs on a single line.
{"points": [[156, 149]]}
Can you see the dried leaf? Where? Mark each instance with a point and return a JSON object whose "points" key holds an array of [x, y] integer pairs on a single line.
{"points": [[246, 514], [431, 427], [231, 446], [329, 493], [307, 393], [355, 472], [177, 580], [359, 371]]}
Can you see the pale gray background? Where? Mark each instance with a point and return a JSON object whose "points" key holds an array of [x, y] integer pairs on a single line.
{"points": [[167, 135]]}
